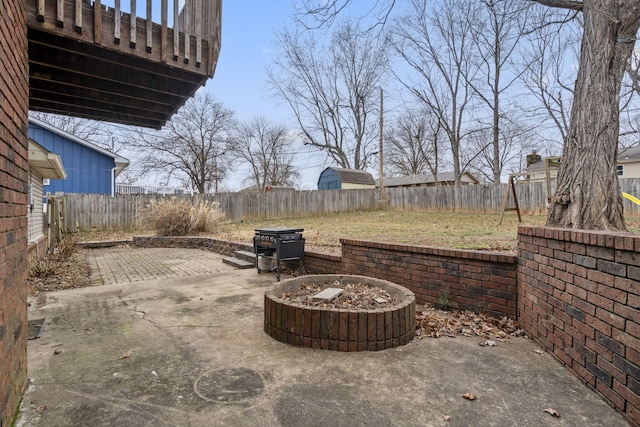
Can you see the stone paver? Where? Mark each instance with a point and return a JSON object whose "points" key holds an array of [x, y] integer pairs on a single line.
{"points": [[125, 265]]}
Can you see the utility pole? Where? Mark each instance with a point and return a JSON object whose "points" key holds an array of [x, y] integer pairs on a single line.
{"points": [[381, 180]]}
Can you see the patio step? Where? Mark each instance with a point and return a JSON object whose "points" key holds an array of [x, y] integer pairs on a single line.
{"points": [[245, 256], [238, 263]]}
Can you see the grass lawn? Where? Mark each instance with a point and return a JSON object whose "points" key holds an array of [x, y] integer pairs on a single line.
{"points": [[323, 233]]}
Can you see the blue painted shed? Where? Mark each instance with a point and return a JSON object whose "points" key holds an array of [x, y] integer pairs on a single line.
{"points": [[90, 169], [333, 178]]}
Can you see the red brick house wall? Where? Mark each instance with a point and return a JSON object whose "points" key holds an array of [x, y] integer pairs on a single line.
{"points": [[579, 296], [14, 99]]}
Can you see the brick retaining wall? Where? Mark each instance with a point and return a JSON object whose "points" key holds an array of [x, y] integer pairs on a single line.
{"points": [[477, 280], [14, 175], [579, 296], [220, 246]]}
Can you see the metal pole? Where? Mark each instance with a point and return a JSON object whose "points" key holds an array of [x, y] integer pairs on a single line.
{"points": [[381, 155]]}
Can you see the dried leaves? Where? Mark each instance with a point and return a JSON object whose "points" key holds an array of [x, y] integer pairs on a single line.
{"points": [[355, 296], [435, 323]]}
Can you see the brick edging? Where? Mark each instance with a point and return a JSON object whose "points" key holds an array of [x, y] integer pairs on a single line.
{"points": [[339, 329]]}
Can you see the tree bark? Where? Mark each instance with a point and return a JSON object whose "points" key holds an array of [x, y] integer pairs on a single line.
{"points": [[588, 193]]}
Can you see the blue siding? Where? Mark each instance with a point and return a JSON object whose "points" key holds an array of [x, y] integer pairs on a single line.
{"points": [[88, 171], [329, 180]]}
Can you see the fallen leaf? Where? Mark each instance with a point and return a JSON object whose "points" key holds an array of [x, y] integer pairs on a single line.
{"points": [[552, 411], [154, 373], [488, 343], [469, 396], [126, 355], [57, 351], [446, 417], [41, 408], [539, 351]]}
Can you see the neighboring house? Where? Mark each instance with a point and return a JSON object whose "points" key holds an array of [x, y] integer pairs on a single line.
{"points": [[444, 178], [628, 166], [90, 169], [629, 163], [345, 179], [42, 165]]}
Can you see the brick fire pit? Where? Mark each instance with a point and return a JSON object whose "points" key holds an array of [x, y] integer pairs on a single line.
{"points": [[336, 328]]}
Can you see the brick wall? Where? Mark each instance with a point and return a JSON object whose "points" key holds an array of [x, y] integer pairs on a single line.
{"points": [[220, 246], [14, 97], [579, 296], [477, 280]]}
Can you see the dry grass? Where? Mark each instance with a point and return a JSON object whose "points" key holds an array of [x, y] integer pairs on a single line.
{"points": [[174, 217], [64, 267], [323, 233], [462, 231]]}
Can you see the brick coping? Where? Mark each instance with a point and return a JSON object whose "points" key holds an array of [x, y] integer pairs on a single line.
{"points": [[471, 254]]}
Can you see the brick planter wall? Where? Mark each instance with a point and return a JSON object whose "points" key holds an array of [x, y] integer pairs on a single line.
{"points": [[579, 296], [477, 280], [14, 175], [338, 329]]}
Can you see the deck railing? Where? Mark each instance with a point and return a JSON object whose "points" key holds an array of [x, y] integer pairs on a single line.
{"points": [[186, 32]]}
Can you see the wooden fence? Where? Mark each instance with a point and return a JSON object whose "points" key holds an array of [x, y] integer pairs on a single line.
{"points": [[125, 212]]}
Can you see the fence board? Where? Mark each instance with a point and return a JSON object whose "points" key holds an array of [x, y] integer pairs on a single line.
{"points": [[125, 212]]}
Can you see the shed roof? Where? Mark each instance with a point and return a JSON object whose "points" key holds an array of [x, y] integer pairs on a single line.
{"points": [[353, 176]]}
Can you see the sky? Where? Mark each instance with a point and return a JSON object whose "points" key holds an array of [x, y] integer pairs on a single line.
{"points": [[240, 81], [248, 47]]}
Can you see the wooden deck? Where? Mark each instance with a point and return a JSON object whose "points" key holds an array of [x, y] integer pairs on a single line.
{"points": [[98, 62]]}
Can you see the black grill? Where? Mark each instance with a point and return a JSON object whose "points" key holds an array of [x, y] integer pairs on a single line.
{"points": [[279, 244]]}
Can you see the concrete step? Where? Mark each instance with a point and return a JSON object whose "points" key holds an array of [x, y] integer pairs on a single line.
{"points": [[239, 263], [245, 255]]}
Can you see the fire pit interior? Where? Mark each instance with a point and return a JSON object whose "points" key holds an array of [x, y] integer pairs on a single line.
{"points": [[340, 312]]}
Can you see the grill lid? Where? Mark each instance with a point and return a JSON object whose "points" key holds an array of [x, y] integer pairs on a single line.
{"points": [[278, 230]]}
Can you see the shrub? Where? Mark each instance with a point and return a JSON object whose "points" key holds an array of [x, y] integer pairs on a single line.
{"points": [[54, 259], [172, 217]]}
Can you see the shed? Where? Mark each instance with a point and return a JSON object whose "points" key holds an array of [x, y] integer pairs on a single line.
{"points": [[90, 169], [42, 165], [345, 179], [444, 178]]}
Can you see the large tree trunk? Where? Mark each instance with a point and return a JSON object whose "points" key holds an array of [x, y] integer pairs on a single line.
{"points": [[588, 193]]}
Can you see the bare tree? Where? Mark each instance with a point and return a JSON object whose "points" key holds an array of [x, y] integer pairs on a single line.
{"points": [[436, 43], [497, 27], [515, 140], [416, 144], [319, 14], [267, 148], [588, 192], [332, 90], [193, 146], [549, 73]]}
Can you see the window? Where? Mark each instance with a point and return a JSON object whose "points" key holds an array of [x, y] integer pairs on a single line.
{"points": [[45, 181], [620, 170]]}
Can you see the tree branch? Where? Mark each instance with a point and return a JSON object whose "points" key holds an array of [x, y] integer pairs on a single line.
{"points": [[562, 4]]}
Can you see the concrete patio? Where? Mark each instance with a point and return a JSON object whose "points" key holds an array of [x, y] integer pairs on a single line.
{"points": [[174, 338]]}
